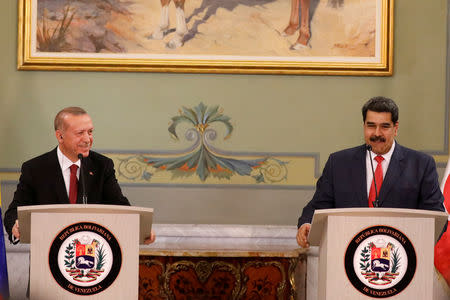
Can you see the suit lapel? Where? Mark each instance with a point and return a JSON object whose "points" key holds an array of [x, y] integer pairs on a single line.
{"points": [[395, 169], [359, 176], [88, 172], [55, 172]]}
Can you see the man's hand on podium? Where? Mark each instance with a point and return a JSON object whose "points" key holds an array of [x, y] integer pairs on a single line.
{"points": [[151, 238], [302, 235], [15, 230]]}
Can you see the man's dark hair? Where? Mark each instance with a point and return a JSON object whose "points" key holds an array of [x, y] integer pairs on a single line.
{"points": [[381, 104]]}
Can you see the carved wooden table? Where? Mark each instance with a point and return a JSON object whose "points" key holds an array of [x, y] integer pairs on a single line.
{"points": [[271, 273]]}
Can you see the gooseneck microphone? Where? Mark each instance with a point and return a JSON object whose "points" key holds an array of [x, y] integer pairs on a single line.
{"points": [[83, 186], [375, 202]]}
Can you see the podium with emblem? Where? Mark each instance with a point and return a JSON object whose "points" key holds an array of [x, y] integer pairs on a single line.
{"points": [[367, 253], [84, 250]]}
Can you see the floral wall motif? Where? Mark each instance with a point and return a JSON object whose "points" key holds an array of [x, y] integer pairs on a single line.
{"points": [[203, 162]]}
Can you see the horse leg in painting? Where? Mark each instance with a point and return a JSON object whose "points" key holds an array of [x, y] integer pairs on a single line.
{"points": [[177, 40], [161, 31], [304, 32], [293, 19]]}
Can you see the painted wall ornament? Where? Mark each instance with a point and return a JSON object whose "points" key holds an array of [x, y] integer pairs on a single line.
{"points": [[202, 158]]}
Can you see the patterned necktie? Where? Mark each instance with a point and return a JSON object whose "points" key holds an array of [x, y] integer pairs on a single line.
{"points": [[73, 188], [378, 178]]}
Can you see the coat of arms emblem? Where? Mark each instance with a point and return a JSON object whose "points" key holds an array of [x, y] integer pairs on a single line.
{"points": [[88, 262], [380, 261], [383, 267], [85, 258]]}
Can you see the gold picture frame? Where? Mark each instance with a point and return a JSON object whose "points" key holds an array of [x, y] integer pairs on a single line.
{"points": [[372, 33]]}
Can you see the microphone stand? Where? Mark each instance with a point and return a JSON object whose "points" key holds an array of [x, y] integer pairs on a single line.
{"points": [[375, 203], [83, 187]]}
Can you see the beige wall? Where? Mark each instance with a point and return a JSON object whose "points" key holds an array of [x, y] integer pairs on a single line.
{"points": [[270, 113]]}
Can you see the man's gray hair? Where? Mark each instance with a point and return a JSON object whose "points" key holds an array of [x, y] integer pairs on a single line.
{"points": [[73, 110]]}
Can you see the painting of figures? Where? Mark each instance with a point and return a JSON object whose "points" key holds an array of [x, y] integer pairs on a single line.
{"points": [[221, 36]]}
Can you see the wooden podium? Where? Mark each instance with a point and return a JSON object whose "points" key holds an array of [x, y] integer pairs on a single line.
{"points": [[89, 251], [368, 253]]}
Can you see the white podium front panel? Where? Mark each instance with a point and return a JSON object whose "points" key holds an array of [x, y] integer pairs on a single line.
{"points": [[63, 230], [334, 281]]}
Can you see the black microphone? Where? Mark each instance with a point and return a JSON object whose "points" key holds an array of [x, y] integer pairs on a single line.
{"points": [[375, 202], [83, 187]]}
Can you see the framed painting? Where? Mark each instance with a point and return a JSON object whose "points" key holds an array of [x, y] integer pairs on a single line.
{"points": [[327, 37]]}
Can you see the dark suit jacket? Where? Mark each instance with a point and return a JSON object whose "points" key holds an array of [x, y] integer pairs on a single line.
{"points": [[42, 182], [411, 181]]}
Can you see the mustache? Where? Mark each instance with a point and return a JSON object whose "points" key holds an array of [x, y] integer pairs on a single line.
{"points": [[377, 139]]}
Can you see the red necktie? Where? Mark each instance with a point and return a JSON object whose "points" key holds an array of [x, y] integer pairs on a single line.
{"points": [[378, 178], [73, 189]]}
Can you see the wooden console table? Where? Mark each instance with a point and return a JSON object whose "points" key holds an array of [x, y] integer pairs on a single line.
{"points": [[271, 273]]}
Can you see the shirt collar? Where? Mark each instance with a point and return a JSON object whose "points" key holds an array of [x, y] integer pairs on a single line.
{"points": [[64, 161], [387, 156]]}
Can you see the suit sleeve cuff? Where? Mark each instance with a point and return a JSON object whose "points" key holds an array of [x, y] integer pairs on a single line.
{"points": [[303, 224], [14, 239]]}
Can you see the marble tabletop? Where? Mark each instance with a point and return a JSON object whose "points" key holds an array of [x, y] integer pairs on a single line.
{"points": [[213, 240]]}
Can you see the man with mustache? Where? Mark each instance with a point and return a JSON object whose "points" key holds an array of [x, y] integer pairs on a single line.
{"points": [[52, 178], [404, 178]]}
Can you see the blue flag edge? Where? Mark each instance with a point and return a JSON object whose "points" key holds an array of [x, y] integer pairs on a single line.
{"points": [[4, 285]]}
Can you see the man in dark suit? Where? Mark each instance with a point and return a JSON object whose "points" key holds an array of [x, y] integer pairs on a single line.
{"points": [[52, 178], [404, 178]]}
